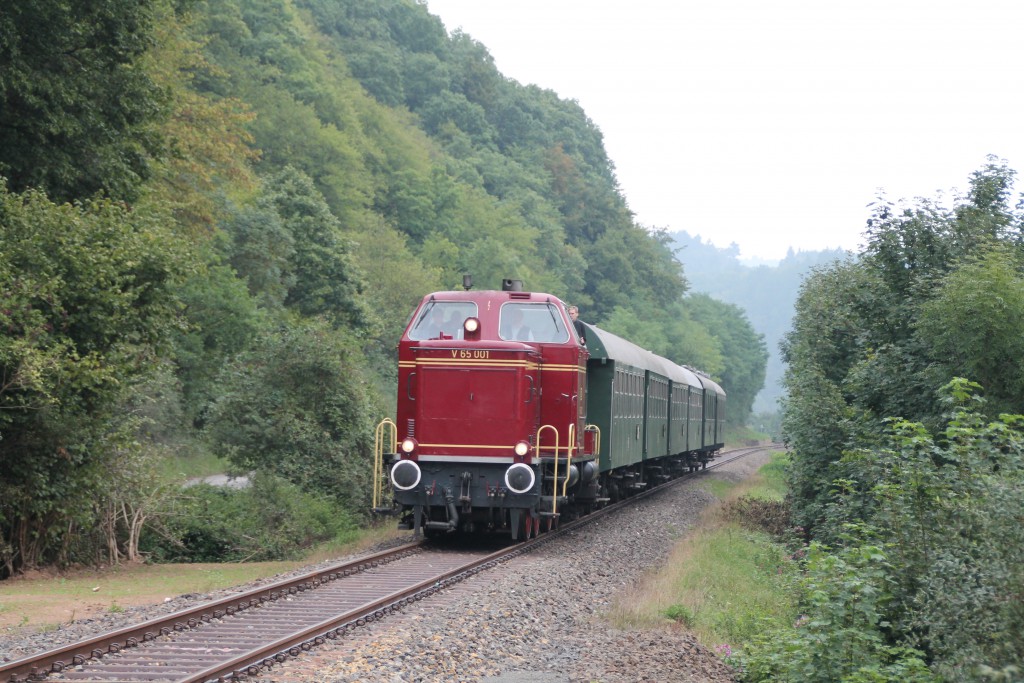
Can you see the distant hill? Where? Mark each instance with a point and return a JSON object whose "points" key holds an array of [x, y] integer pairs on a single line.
{"points": [[765, 293]]}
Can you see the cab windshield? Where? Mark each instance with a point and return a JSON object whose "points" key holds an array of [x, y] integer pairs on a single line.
{"points": [[532, 322], [442, 320]]}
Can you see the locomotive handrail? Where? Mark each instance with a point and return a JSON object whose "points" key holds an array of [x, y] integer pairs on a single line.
{"points": [[554, 485], [597, 438], [387, 428], [572, 444]]}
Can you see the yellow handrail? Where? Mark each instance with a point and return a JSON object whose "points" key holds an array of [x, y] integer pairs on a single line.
{"points": [[554, 486], [387, 428]]}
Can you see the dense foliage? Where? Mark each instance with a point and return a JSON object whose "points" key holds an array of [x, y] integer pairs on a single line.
{"points": [[918, 514], [217, 216], [88, 295], [76, 115], [270, 520]]}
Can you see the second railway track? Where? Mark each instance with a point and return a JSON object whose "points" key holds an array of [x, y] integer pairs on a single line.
{"points": [[234, 638]]}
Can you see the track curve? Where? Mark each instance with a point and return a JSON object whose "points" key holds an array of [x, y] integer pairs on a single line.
{"points": [[236, 637]]}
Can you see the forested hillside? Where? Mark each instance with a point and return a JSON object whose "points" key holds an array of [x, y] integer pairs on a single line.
{"points": [[765, 294], [215, 217]]}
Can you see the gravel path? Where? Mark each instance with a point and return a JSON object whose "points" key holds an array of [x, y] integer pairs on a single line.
{"points": [[535, 619]]}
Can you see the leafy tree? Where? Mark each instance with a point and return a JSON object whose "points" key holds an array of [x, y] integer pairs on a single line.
{"points": [[945, 508], [936, 294], [260, 250], [221, 320], [871, 337], [973, 324], [209, 152], [88, 303], [295, 405], [77, 115], [326, 280], [747, 356]]}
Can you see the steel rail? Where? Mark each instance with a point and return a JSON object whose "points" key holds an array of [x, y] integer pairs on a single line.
{"points": [[278, 650], [58, 659], [250, 663]]}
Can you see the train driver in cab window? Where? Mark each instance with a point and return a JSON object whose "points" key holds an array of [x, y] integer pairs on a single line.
{"points": [[442, 320], [512, 326]]}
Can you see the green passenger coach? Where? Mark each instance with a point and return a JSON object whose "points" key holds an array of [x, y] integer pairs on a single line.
{"points": [[648, 409]]}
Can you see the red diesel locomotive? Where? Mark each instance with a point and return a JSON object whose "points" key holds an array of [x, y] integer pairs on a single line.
{"points": [[491, 432]]}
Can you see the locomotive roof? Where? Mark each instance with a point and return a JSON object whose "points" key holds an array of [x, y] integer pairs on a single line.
{"points": [[485, 294], [604, 344]]}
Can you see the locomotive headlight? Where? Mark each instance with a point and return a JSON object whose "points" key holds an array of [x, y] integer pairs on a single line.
{"points": [[408, 445], [520, 478], [405, 475], [522, 448], [471, 324]]}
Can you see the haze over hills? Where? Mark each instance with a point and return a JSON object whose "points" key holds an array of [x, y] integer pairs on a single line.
{"points": [[766, 293]]}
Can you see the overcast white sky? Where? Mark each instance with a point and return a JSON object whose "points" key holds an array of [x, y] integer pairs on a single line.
{"points": [[773, 123]]}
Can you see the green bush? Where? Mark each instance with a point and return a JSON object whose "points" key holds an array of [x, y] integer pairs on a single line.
{"points": [[769, 516], [270, 520], [842, 634], [680, 614], [296, 405], [928, 567]]}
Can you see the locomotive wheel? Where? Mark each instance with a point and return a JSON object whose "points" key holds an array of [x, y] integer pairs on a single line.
{"points": [[527, 525]]}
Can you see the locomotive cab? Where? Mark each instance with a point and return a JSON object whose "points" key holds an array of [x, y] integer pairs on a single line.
{"points": [[490, 430]]}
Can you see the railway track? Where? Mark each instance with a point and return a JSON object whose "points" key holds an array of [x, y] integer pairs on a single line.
{"points": [[239, 636]]}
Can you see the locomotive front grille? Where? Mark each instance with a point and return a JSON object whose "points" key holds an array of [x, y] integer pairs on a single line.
{"points": [[410, 428]]}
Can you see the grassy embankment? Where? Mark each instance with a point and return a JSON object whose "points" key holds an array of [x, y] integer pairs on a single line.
{"points": [[724, 580], [45, 599]]}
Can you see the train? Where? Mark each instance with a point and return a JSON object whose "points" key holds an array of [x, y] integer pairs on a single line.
{"points": [[509, 418]]}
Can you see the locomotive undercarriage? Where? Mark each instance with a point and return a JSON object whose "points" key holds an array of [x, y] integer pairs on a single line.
{"points": [[474, 498]]}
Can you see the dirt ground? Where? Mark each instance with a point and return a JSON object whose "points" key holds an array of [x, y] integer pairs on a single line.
{"points": [[41, 600]]}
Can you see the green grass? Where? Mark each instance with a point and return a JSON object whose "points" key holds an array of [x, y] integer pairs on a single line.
{"points": [[191, 465], [717, 487], [770, 483], [735, 580], [736, 437], [722, 582], [44, 602]]}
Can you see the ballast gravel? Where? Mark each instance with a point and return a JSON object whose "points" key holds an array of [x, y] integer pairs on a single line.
{"points": [[538, 618]]}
